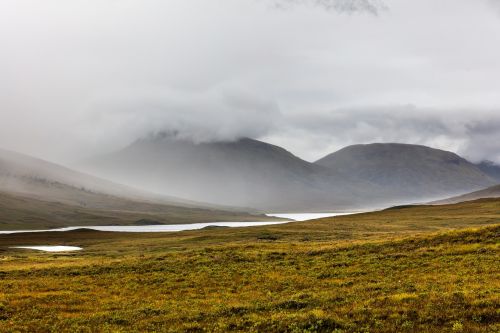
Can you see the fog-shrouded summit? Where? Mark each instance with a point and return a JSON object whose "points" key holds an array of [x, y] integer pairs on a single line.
{"points": [[256, 174], [244, 172]]}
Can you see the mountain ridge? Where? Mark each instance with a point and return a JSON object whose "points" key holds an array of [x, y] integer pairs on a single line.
{"points": [[248, 172]]}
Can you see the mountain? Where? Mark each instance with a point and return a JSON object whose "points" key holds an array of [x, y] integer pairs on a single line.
{"points": [[245, 172], [256, 174], [410, 172], [490, 192], [36, 193], [491, 169]]}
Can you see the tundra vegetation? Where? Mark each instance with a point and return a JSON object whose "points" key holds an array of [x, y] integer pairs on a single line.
{"points": [[406, 269]]}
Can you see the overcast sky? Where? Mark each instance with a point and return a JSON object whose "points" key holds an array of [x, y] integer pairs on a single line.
{"points": [[83, 77]]}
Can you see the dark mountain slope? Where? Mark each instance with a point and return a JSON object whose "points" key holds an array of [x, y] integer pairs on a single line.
{"points": [[491, 169], [407, 171]]}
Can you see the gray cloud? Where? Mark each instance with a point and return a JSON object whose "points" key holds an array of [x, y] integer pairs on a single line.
{"points": [[342, 6], [84, 77], [200, 117], [472, 133], [495, 4]]}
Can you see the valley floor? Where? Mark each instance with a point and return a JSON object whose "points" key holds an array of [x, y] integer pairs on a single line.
{"points": [[411, 269]]}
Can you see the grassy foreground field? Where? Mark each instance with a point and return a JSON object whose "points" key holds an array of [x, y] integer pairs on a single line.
{"points": [[413, 269]]}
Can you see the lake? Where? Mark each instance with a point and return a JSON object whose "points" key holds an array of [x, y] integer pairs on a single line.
{"points": [[49, 248], [307, 216], [194, 226]]}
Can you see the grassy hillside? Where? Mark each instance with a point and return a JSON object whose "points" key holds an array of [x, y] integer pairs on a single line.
{"points": [[24, 213], [408, 269], [39, 179]]}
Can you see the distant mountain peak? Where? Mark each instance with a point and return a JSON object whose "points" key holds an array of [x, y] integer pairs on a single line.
{"points": [[408, 169]]}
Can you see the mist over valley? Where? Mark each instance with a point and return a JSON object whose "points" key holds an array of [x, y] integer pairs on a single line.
{"points": [[278, 166]]}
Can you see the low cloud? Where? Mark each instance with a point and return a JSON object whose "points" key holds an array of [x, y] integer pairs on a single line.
{"points": [[373, 7], [208, 117], [473, 134], [199, 117], [495, 4]]}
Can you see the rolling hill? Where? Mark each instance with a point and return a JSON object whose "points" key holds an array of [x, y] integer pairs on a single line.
{"points": [[37, 178], [35, 193], [490, 192]]}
